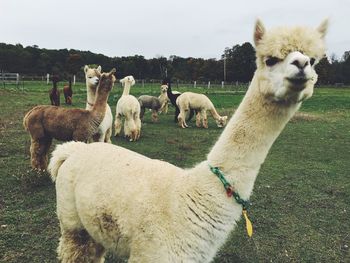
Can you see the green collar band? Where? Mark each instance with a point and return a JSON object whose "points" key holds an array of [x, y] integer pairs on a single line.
{"points": [[229, 188]]}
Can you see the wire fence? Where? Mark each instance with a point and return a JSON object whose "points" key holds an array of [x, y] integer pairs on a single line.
{"points": [[142, 86]]}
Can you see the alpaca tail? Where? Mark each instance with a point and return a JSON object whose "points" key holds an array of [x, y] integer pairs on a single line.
{"points": [[27, 116], [60, 154]]}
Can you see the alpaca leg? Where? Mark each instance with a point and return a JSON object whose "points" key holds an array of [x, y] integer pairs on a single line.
{"points": [[117, 124], [107, 137], [127, 130], [191, 114], [46, 147], [205, 118], [181, 119], [138, 127], [154, 116], [177, 112], [78, 246], [38, 152], [166, 108], [184, 118], [142, 113], [198, 119]]}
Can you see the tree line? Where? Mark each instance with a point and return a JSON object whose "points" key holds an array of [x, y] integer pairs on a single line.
{"points": [[237, 63]]}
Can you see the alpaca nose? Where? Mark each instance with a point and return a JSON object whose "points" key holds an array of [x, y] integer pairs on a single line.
{"points": [[301, 62]]}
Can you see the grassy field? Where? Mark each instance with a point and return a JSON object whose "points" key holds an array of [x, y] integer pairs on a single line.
{"points": [[301, 202]]}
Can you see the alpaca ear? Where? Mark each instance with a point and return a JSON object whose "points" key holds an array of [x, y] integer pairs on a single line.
{"points": [[86, 67], [323, 27], [259, 32], [113, 70], [99, 69]]}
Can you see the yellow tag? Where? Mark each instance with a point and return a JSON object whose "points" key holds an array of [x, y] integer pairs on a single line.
{"points": [[248, 224]]}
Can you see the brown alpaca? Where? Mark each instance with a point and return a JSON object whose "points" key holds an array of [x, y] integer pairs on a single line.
{"points": [[55, 92], [68, 92], [45, 122]]}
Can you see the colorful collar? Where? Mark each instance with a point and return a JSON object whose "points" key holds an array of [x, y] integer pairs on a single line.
{"points": [[230, 191]]}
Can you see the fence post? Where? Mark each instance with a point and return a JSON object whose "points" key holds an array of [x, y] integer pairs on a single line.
{"points": [[47, 78], [195, 84], [74, 80], [208, 84], [222, 84]]}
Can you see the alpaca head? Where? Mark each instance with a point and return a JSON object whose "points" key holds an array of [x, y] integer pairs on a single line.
{"points": [[128, 80], [107, 80], [92, 76], [286, 59], [221, 121], [163, 88], [55, 79]]}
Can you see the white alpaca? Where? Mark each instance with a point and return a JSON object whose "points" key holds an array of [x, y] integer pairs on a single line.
{"points": [[129, 108], [152, 211], [201, 103], [92, 76], [163, 98]]}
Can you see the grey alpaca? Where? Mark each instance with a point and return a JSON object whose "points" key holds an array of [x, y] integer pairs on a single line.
{"points": [[149, 102]]}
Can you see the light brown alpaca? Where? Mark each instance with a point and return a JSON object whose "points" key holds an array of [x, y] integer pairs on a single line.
{"points": [[45, 122]]}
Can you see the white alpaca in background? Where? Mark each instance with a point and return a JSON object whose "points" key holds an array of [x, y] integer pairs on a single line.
{"points": [[110, 198], [201, 104], [129, 108], [163, 98], [92, 76]]}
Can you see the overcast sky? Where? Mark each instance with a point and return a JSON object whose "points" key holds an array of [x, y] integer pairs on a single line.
{"points": [[196, 28]]}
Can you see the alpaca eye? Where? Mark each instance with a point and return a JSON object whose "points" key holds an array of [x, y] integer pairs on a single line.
{"points": [[312, 61], [271, 61]]}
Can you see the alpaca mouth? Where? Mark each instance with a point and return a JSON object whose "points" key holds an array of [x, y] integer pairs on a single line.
{"points": [[298, 83]]}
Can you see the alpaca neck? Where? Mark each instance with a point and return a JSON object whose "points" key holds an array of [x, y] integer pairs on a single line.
{"points": [[54, 85], [247, 138], [126, 89], [91, 96], [214, 113], [70, 83], [100, 105], [171, 96]]}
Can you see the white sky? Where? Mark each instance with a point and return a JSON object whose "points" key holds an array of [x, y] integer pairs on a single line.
{"points": [[160, 27]]}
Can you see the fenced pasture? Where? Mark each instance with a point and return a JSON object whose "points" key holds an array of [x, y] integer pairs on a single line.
{"points": [[301, 202]]}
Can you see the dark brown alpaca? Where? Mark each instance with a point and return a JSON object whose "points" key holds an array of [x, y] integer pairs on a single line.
{"points": [[68, 92], [45, 122], [55, 92]]}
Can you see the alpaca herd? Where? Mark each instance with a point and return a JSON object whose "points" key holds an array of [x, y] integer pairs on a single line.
{"points": [[113, 199]]}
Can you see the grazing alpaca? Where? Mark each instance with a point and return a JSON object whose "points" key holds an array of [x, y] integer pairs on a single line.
{"points": [[164, 100], [200, 103], [109, 197], [129, 108], [68, 92], [104, 131], [172, 97], [150, 102], [46, 122], [55, 92]]}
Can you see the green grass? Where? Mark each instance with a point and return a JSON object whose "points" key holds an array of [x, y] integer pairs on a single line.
{"points": [[301, 200]]}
